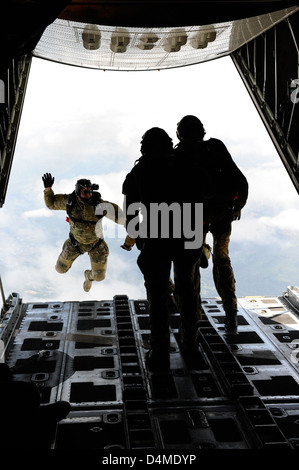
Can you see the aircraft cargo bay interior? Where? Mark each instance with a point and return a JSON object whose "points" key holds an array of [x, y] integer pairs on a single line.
{"points": [[75, 369]]}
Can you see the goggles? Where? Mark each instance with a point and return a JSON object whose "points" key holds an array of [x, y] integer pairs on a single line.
{"points": [[86, 190]]}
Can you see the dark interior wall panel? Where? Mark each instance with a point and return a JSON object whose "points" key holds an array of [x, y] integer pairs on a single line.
{"points": [[166, 13], [268, 66]]}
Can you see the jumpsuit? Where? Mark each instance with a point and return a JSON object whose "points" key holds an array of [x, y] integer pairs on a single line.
{"points": [[83, 237]]}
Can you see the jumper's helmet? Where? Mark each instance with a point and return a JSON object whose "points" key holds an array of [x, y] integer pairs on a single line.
{"points": [[86, 187], [156, 141], [190, 128]]}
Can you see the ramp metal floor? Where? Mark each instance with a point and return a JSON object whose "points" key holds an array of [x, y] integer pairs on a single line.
{"points": [[242, 394]]}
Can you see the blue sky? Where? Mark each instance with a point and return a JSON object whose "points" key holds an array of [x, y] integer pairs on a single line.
{"points": [[88, 123]]}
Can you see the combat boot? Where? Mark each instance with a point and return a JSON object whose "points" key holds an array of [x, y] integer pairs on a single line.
{"points": [[189, 347], [157, 361], [231, 322], [88, 282]]}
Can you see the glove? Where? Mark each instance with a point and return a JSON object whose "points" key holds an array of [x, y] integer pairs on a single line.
{"points": [[126, 247], [236, 215], [128, 244], [48, 180]]}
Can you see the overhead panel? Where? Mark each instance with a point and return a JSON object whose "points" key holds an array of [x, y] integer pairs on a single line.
{"points": [[134, 48]]}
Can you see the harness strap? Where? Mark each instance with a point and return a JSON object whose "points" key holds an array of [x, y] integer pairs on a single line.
{"points": [[74, 242], [81, 221]]}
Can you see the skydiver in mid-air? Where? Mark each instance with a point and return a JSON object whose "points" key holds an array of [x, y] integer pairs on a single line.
{"points": [[85, 209]]}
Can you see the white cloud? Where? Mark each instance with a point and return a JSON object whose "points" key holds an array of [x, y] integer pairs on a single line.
{"points": [[280, 228], [270, 188], [37, 213], [254, 230], [111, 186], [286, 221]]}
